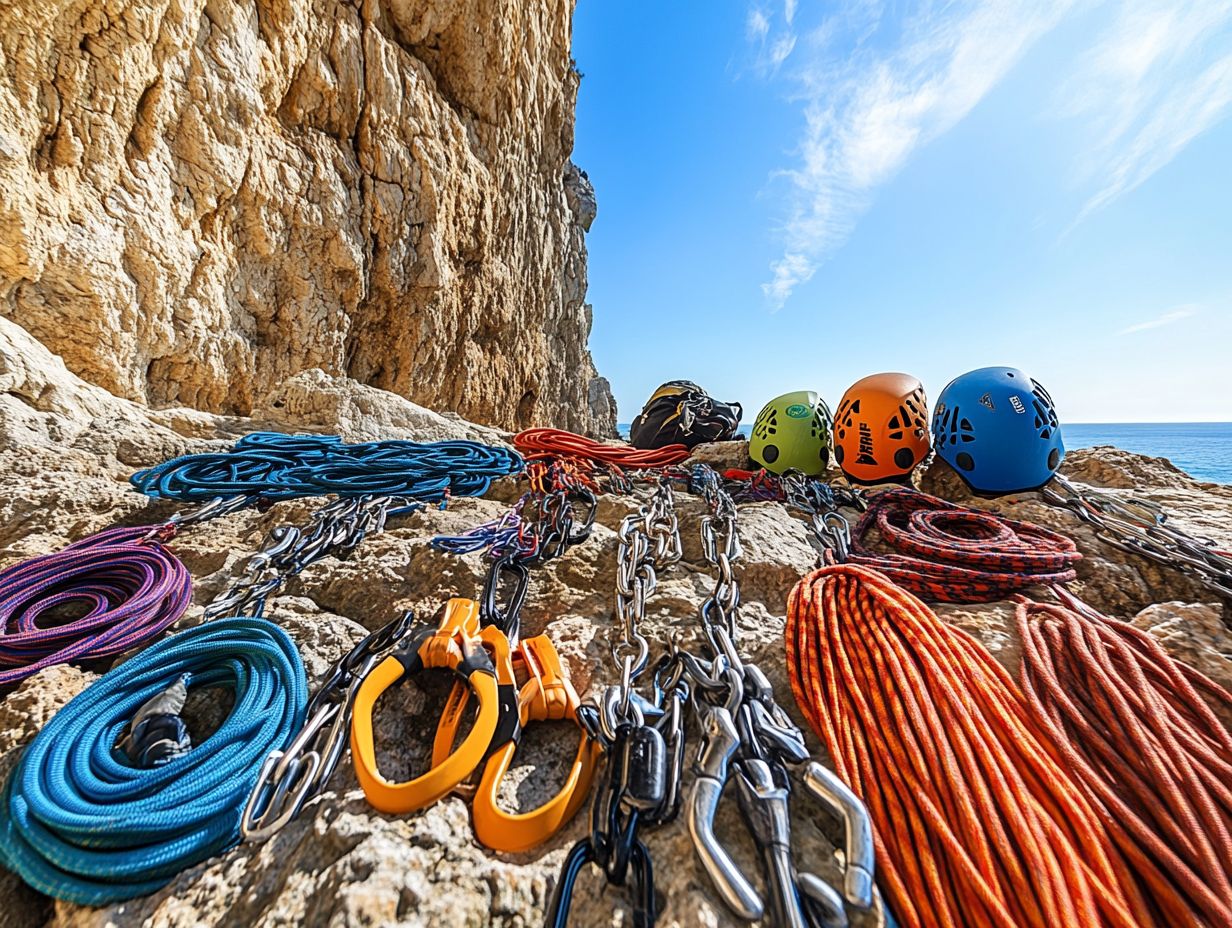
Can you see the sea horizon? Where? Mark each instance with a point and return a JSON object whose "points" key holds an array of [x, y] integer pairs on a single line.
{"points": [[1201, 449]]}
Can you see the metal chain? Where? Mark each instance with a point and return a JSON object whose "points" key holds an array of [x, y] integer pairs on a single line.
{"points": [[649, 541], [337, 527], [747, 736], [1140, 527]]}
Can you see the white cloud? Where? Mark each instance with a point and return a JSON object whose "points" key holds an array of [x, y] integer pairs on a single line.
{"points": [[867, 112], [757, 26], [875, 86], [1171, 316], [1157, 78]]}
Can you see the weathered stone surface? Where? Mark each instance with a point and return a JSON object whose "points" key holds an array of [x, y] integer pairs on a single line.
{"points": [[63, 473], [199, 199]]}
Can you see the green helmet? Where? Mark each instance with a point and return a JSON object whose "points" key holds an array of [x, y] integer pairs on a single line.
{"points": [[792, 432]]}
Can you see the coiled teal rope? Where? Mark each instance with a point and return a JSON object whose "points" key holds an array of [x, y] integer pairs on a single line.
{"points": [[272, 466], [80, 823]]}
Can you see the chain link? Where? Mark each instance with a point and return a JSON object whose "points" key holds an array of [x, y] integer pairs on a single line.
{"points": [[1140, 527], [649, 541], [337, 527]]}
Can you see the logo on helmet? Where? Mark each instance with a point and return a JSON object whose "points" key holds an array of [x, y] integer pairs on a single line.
{"points": [[1017, 404], [797, 411], [986, 400], [866, 445]]}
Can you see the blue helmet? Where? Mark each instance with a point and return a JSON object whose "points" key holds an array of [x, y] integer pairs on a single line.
{"points": [[998, 429]]}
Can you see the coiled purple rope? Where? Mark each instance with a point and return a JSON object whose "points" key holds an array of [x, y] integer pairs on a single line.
{"points": [[133, 588]]}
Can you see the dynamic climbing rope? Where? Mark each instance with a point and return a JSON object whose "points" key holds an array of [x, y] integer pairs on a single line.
{"points": [[270, 466], [948, 553], [80, 822], [1137, 729], [977, 821], [125, 586], [540, 444]]}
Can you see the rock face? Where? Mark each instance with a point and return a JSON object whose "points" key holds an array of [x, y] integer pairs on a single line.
{"points": [[66, 448], [199, 200]]}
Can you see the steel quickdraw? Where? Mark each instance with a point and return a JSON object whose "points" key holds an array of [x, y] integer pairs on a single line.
{"points": [[290, 778], [80, 821], [643, 740], [1141, 528], [747, 737]]}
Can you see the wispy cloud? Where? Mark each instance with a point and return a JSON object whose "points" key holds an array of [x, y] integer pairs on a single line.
{"points": [[1167, 318], [876, 85], [756, 26], [868, 109], [1158, 77]]}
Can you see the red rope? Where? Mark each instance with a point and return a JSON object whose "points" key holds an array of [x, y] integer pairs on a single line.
{"points": [[947, 553], [1154, 758], [537, 444]]}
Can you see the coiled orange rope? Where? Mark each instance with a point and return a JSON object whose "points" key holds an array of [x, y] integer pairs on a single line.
{"points": [[1156, 760], [977, 822], [536, 444]]}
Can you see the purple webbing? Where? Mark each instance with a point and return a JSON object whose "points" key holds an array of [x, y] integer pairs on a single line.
{"points": [[133, 589]]}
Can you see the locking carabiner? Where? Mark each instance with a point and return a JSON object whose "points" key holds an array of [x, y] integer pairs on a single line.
{"points": [[546, 696], [456, 645]]}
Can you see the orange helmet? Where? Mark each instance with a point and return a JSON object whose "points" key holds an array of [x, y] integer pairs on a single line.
{"points": [[881, 429]]}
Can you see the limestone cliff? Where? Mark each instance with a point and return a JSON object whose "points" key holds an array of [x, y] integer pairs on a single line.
{"points": [[199, 199]]}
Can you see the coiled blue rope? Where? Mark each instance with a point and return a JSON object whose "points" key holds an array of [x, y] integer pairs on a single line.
{"points": [[80, 823], [276, 467]]}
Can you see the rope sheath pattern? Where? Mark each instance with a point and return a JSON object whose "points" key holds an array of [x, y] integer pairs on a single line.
{"points": [[977, 823], [1134, 727], [539, 444], [948, 553], [277, 467], [133, 589], [80, 823]]}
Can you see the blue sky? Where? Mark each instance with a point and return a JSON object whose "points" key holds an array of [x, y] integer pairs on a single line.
{"points": [[795, 195]]}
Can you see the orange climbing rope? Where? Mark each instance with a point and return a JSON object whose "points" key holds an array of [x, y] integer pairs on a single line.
{"points": [[538, 444], [977, 822], [1155, 759]]}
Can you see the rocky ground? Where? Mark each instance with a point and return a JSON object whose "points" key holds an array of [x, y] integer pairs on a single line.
{"points": [[66, 449]]}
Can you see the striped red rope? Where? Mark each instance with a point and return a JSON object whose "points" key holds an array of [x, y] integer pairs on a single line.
{"points": [[948, 553]]}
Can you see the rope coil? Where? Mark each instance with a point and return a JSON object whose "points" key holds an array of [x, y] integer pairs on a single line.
{"points": [[948, 553], [541, 444], [977, 822], [80, 823], [279, 467], [1134, 726], [132, 589]]}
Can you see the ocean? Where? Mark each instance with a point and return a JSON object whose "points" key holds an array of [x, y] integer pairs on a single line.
{"points": [[1203, 449]]}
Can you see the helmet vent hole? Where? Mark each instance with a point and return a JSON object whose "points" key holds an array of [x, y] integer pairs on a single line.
{"points": [[1046, 434], [855, 406], [1054, 458], [897, 435], [965, 461], [903, 458], [965, 425], [838, 454], [771, 453]]}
